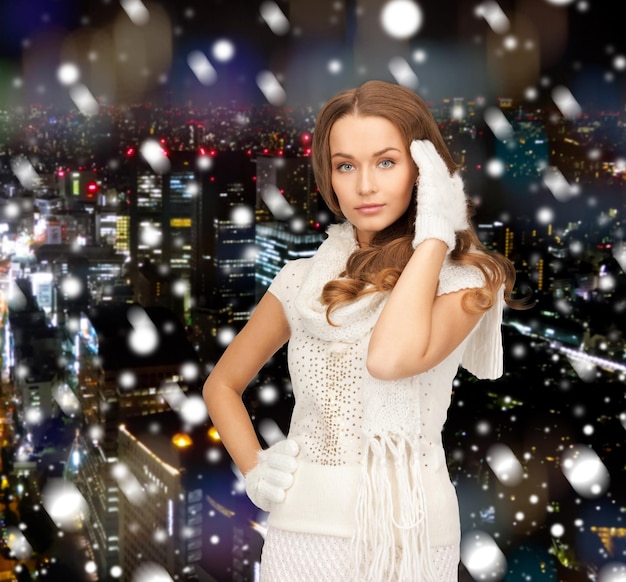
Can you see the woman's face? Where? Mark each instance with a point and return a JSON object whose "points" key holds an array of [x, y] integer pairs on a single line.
{"points": [[372, 173]]}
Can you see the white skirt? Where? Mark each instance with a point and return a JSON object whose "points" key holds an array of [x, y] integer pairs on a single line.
{"points": [[296, 557]]}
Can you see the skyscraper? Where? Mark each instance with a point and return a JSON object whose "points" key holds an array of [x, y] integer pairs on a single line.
{"points": [[223, 253], [292, 178], [118, 382], [178, 509], [277, 244]]}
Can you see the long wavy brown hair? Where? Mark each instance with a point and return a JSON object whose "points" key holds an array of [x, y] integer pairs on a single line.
{"points": [[378, 267]]}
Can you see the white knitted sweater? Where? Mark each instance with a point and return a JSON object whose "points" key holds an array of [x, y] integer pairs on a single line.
{"points": [[333, 419]]}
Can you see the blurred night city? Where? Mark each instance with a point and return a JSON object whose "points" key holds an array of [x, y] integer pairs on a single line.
{"points": [[155, 175]]}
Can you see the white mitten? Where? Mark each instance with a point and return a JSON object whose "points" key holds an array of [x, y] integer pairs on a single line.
{"points": [[441, 204], [268, 481]]}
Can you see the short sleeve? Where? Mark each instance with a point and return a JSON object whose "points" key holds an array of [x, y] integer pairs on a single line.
{"points": [[454, 277], [287, 282]]}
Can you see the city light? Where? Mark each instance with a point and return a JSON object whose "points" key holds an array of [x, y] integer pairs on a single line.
{"points": [[182, 440], [213, 434]]}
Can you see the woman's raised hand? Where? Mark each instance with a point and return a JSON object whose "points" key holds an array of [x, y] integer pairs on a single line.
{"points": [[441, 204]]}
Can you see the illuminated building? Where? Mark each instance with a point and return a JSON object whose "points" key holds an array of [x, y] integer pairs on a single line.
{"points": [[146, 217], [160, 209], [539, 271], [293, 178], [152, 524], [49, 205], [291, 230], [154, 223], [458, 108], [96, 266], [234, 255], [494, 236], [180, 188], [36, 349], [509, 243], [185, 519], [608, 535], [223, 254], [112, 229], [118, 383], [78, 187], [122, 238], [154, 286], [125, 383], [277, 244], [36, 387], [88, 470]]}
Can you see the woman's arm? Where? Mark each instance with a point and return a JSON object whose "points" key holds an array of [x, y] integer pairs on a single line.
{"points": [[266, 331], [418, 329]]}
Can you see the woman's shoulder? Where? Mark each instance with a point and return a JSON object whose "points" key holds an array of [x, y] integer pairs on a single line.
{"points": [[290, 277], [297, 267]]}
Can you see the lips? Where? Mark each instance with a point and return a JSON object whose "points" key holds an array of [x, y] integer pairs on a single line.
{"points": [[370, 208]]}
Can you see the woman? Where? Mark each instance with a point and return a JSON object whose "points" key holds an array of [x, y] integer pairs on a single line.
{"points": [[378, 321]]}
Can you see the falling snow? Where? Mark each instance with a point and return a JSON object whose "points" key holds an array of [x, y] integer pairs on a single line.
{"points": [[537, 456]]}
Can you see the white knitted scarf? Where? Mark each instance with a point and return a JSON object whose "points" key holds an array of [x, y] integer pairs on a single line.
{"points": [[388, 544]]}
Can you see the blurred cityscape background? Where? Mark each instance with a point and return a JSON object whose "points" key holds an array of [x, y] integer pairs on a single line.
{"points": [[155, 175]]}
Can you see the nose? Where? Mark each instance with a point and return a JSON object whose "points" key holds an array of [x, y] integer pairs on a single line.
{"points": [[367, 182]]}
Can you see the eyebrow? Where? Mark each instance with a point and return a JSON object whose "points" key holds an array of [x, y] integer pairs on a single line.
{"points": [[374, 155]]}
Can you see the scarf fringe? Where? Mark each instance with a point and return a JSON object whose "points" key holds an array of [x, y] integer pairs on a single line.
{"points": [[389, 546]]}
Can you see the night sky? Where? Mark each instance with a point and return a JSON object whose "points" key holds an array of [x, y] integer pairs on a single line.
{"points": [[327, 45]]}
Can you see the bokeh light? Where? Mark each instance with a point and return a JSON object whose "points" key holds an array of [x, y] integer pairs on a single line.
{"points": [[585, 471], [68, 73], [482, 556], [223, 50], [401, 18]]}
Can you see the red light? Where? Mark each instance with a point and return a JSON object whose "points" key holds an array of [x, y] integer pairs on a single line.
{"points": [[306, 137], [130, 152], [92, 189]]}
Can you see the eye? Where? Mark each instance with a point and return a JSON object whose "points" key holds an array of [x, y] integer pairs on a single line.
{"points": [[345, 167], [387, 164]]}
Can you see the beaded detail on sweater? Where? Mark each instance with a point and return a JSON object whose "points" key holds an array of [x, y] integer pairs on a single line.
{"points": [[391, 430], [327, 364]]}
